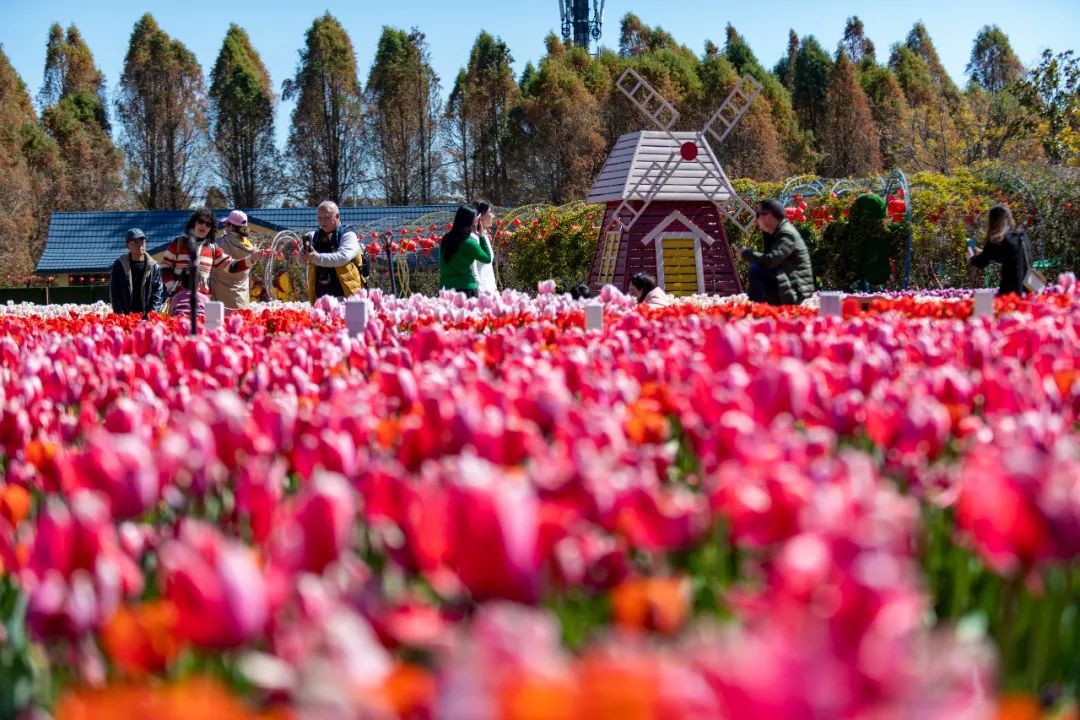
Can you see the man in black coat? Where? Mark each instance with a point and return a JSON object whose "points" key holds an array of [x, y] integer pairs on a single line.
{"points": [[782, 274], [136, 285]]}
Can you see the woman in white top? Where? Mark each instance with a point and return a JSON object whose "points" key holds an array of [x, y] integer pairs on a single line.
{"points": [[485, 272], [648, 293]]}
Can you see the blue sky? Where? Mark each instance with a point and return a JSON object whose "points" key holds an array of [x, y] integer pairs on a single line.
{"points": [[277, 28]]}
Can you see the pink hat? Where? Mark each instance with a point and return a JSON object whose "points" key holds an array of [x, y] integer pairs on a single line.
{"points": [[237, 218]]}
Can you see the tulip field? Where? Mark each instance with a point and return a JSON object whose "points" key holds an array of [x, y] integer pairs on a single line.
{"points": [[479, 510]]}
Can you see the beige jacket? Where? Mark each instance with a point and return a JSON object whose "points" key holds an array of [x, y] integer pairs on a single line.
{"points": [[657, 298], [232, 289]]}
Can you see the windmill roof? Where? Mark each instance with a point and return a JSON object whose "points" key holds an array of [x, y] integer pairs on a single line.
{"points": [[632, 169], [91, 241]]}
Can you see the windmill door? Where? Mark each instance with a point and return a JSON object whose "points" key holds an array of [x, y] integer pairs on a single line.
{"points": [[678, 265]]}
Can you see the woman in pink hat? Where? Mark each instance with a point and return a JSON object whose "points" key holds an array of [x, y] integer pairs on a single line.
{"points": [[233, 289]]}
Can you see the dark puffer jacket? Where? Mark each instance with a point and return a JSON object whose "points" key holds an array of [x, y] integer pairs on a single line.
{"points": [[786, 252]]}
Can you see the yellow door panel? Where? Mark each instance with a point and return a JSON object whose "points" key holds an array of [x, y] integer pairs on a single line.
{"points": [[680, 266]]}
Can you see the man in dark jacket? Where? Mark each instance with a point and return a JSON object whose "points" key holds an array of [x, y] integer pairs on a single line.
{"points": [[136, 285], [782, 274]]}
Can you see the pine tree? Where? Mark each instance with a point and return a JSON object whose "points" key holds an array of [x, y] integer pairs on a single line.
{"points": [[31, 175], [993, 65], [812, 65], [242, 124], [558, 130], [1003, 126], [461, 144], [858, 47], [162, 109], [794, 141], [482, 99], [73, 102], [785, 69], [404, 117], [326, 139], [919, 42], [636, 38], [849, 139], [940, 120], [892, 116]]}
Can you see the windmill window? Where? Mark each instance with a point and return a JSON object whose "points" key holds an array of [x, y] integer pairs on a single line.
{"points": [[610, 256]]}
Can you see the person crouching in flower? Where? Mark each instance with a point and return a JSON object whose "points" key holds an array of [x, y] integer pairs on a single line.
{"points": [[648, 292]]}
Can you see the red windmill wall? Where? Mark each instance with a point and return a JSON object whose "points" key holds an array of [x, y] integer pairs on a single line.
{"points": [[634, 257]]}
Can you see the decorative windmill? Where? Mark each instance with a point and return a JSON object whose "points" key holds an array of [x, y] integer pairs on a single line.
{"points": [[667, 196]]}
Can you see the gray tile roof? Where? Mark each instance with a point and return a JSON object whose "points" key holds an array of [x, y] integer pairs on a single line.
{"points": [[632, 171], [91, 241]]}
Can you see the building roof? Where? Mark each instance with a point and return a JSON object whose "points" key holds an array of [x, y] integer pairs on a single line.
{"points": [[91, 241], [632, 160]]}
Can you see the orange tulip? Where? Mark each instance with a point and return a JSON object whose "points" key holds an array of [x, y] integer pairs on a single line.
{"points": [[645, 423], [536, 698], [15, 503], [659, 603], [195, 699], [143, 639], [408, 691], [619, 688], [1019, 706]]}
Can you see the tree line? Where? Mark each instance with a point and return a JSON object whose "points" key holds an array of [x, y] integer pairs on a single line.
{"points": [[184, 137]]}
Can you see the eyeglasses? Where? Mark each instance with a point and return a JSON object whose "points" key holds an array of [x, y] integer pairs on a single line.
{"points": [[207, 223]]}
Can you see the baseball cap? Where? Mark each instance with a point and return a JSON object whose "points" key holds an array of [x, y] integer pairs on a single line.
{"points": [[134, 234], [237, 218]]}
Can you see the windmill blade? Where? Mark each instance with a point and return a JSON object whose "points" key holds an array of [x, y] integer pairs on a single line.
{"points": [[728, 203], [733, 108], [718, 188], [645, 98], [738, 212], [644, 190]]}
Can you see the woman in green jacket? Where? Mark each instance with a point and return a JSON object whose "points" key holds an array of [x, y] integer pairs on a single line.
{"points": [[457, 251]]}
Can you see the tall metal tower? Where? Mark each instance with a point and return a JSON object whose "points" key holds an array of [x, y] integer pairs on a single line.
{"points": [[577, 23]]}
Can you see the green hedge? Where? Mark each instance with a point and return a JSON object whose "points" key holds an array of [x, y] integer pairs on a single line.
{"points": [[56, 295]]}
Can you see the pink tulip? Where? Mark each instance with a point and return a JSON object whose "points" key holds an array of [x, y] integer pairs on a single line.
{"points": [[218, 589], [259, 488], [77, 573], [316, 530], [119, 466], [493, 534]]}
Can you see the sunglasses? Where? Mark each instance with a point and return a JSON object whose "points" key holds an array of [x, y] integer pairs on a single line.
{"points": [[207, 223]]}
